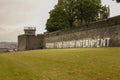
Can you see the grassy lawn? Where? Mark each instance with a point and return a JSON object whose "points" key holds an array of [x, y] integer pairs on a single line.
{"points": [[61, 64]]}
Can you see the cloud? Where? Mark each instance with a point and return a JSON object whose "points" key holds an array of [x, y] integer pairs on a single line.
{"points": [[21, 11], [1, 29], [114, 7], [16, 14], [15, 11]]}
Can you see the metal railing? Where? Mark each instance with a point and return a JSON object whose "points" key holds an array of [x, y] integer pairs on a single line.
{"points": [[29, 28]]}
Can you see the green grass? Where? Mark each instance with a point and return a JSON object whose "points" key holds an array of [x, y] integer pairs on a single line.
{"points": [[61, 64]]}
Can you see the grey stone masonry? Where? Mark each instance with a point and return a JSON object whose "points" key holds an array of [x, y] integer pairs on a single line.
{"points": [[105, 33]]}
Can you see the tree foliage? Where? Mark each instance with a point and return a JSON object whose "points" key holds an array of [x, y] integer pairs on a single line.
{"points": [[70, 13], [57, 19]]}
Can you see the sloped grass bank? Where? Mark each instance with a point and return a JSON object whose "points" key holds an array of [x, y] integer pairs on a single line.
{"points": [[61, 64]]}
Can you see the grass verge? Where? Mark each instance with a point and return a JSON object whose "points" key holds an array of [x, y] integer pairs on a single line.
{"points": [[61, 64]]}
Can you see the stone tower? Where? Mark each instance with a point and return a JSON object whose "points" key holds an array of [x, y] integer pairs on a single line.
{"points": [[29, 40], [29, 30]]}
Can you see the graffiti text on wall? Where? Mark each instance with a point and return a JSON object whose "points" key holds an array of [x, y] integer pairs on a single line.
{"points": [[80, 43]]}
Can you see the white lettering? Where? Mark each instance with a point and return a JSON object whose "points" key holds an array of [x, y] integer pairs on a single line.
{"points": [[80, 43]]}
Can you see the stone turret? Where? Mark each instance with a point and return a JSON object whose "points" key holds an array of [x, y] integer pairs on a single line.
{"points": [[29, 40], [29, 30]]}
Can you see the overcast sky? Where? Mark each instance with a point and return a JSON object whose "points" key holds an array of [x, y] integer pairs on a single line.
{"points": [[17, 14]]}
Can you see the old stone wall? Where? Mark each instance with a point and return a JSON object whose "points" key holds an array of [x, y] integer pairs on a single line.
{"points": [[30, 42], [105, 33], [21, 42]]}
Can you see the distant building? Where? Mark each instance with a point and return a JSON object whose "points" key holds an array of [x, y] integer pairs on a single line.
{"points": [[8, 46], [4, 49], [105, 14]]}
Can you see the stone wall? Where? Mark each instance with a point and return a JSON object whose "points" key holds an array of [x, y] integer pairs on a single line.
{"points": [[21, 42], [105, 33], [30, 42]]}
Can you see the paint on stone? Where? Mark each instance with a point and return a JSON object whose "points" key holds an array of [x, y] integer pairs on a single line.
{"points": [[86, 43]]}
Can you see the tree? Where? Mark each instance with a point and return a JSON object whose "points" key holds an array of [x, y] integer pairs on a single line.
{"points": [[57, 20], [89, 10], [118, 1], [69, 12]]}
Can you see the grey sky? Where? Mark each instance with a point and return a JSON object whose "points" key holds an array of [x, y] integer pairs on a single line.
{"points": [[16, 14]]}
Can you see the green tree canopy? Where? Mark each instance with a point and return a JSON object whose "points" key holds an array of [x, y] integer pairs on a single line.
{"points": [[68, 13], [57, 20]]}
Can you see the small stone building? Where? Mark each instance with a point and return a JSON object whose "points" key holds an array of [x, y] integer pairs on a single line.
{"points": [[29, 40]]}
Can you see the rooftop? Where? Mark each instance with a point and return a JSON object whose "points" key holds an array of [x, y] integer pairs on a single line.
{"points": [[29, 28]]}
